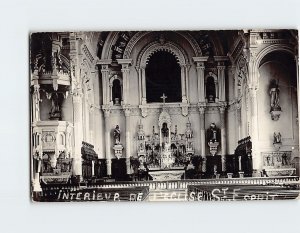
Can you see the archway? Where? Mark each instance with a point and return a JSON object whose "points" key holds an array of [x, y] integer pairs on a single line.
{"points": [[278, 104], [163, 76]]}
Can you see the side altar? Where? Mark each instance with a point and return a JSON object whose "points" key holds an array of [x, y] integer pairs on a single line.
{"points": [[165, 154]]}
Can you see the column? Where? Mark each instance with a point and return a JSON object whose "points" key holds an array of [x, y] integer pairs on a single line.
{"points": [[202, 137], [91, 124], [107, 141], [200, 68], [238, 116], [111, 101], [78, 132], [183, 84], [144, 96], [126, 90], [127, 112], [139, 73], [223, 137], [125, 74], [221, 82], [254, 134], [240, 163], [93, 168], [297, 73], [187, 67], [105, 81], [36, 103], [200, 81]]}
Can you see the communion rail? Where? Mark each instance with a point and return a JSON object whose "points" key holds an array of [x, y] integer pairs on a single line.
{"points": [[181, 184]]}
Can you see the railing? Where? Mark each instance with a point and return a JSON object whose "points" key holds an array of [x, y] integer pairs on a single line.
{"points": [[182, 184]]}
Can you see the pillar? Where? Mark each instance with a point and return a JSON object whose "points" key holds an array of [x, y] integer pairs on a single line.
{"points": [[202, 137], [78, 132], [36, 103], [143, 78], [223, 137], [187, 67], [127, 112], [139, 73], [105, 82], [93, 168], [76, 91], [200, 68], [254, 132], [297, 73], [221, 82], [107, 141], [238, 121], [183, 84], [125, 74], [240, 163]]}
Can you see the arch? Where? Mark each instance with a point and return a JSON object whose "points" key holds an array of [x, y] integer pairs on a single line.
{"points": [[211, 74], [273, 48], [138, 36], [153, 47], [107, 47], [112, 80], [256, 60]]}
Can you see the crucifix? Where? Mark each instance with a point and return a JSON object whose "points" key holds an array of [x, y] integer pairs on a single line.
{"points": [[164, 98]]}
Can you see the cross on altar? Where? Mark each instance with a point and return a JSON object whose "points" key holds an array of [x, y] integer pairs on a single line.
{"points": [[164, 98]]}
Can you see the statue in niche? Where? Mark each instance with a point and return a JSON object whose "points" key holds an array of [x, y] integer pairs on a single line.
{"points": [[55, 112], [210, 90], [117, 135], [165, 130], [141, 133], [277, 138], [116, 92], [274, 94], [188, 131], [213, 133], [141, 147]]}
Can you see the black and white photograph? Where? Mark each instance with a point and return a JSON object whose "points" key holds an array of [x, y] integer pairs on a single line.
{"points": [[164, 115]]}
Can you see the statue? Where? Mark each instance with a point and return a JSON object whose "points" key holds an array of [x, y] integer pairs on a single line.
{"points": [[117, 135], [165, 130], [213, 133], [277, 138], [274, 94], [141, 133], [188, 131], [55, 112]]}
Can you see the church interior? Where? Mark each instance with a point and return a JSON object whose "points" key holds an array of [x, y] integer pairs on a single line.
{"points": [[140, 106]]}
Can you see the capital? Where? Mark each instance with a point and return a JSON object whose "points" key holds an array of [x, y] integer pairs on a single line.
{"points": [[104, 68], [221, 67], [106, 111], [127, 111], [201, 107], [222, 108], [238, 105]]}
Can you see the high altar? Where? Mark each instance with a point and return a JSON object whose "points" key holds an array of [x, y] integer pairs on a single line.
{"points": [[165, 154]]}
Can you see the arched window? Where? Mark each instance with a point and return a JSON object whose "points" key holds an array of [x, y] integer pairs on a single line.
{"points": [[116, 92], [210, 90], [163, 75]]}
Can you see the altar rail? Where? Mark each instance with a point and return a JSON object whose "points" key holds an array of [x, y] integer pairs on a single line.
{"points": [[182, 184]]}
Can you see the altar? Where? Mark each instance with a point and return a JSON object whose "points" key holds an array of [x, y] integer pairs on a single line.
{"points": [[165, 154], [161, 175]]}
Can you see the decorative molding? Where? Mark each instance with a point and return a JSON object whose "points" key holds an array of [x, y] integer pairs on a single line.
{"points": [[155, 46], [138, 36], [88, 54]]}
